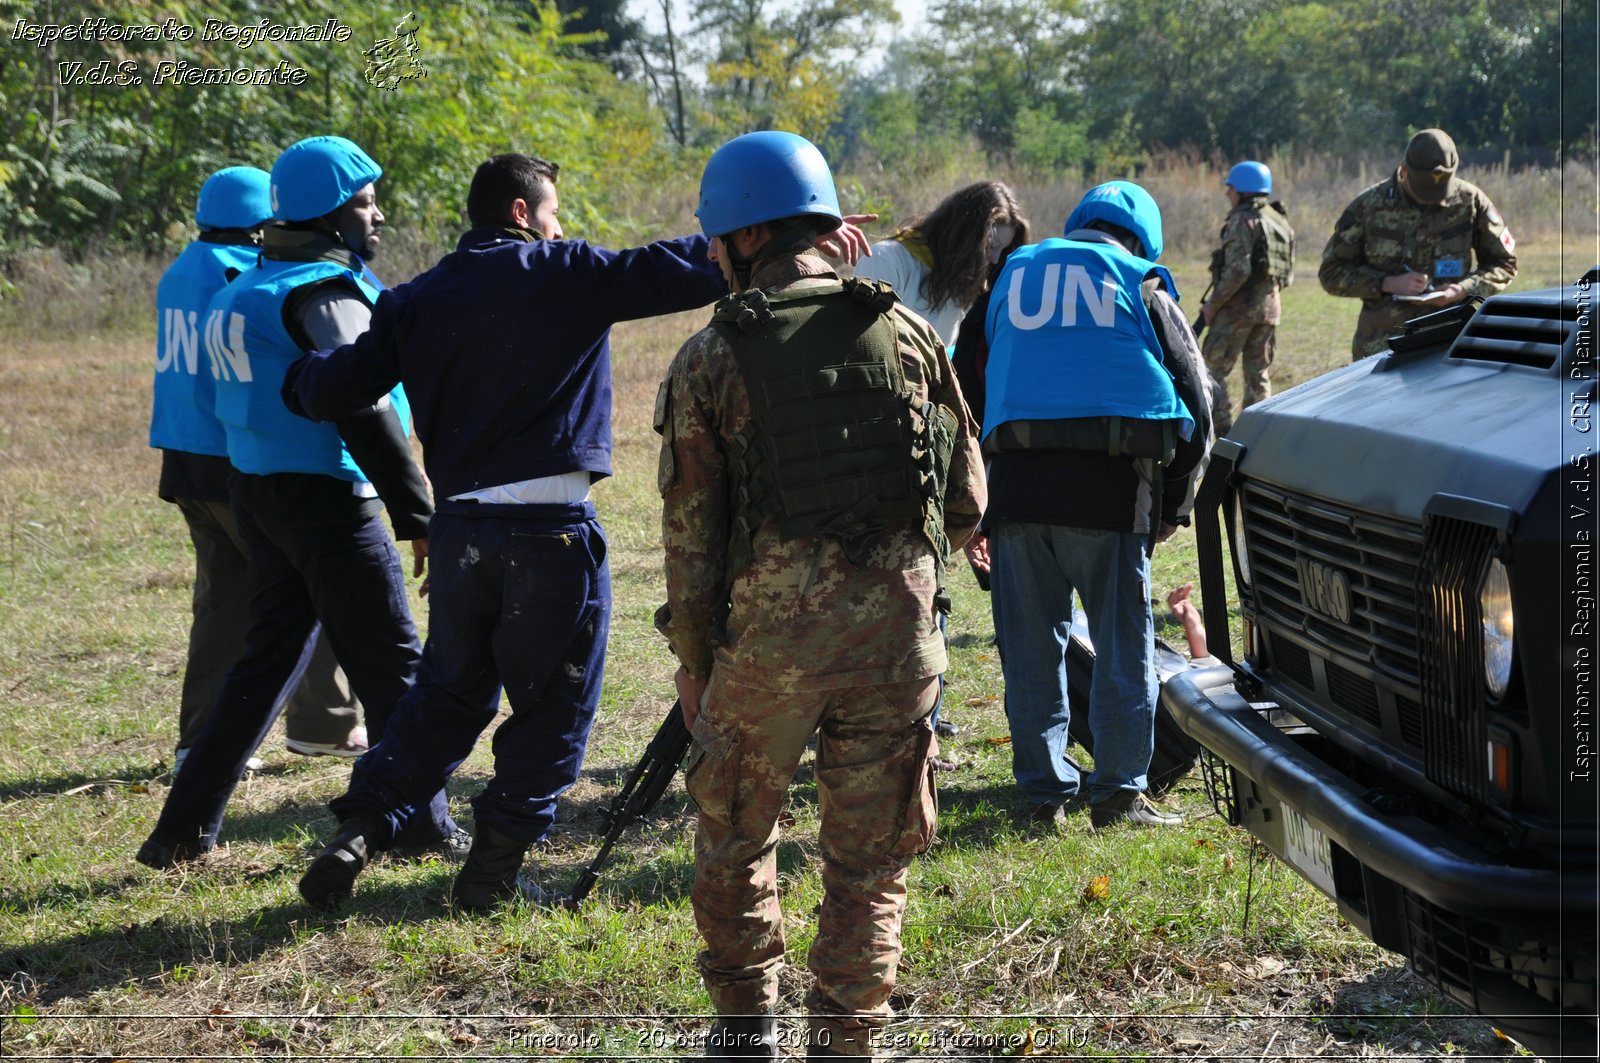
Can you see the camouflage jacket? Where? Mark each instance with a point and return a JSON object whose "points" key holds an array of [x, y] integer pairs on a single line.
{"points": [[1463, 240], [1239, 295], [800, 616]]}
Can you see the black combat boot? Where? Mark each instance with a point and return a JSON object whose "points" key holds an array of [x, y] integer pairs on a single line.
{"points": [[743, 1037], [490, 876], [331, 878]]}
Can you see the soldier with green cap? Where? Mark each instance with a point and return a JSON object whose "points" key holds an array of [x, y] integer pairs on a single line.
{"points": [[817, 467], [1419, 241]]}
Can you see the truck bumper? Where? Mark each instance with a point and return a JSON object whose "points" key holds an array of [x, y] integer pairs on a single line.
{"points": [[1506, 941]]}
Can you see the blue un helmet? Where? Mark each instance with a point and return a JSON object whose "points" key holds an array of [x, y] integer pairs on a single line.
{"points": [[318, 175], [763, 177], [1121, 203], [1250, 179], [235, 197]]}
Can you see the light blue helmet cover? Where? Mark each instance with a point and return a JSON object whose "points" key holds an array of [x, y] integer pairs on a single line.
{"points": [[763, 177], [235, 197], [1251, 179], [318, 175], [1121, 203]]}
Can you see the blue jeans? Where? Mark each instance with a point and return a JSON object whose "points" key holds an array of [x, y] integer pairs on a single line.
{"points": [[520, 596], [1037, 567], [346, 575]]}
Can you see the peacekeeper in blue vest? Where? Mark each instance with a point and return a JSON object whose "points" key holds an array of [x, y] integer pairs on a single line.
{"points": [[307, 497], [504, 347], [234, 204], [1097, 426]]}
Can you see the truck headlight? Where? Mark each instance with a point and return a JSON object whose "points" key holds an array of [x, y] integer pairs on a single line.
{"points": [[1494, 603], [1241, 553]]}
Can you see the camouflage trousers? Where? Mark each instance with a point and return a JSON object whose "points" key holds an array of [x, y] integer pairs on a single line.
{"points": [[1377, 322], [1225, 342], [876, 796]]}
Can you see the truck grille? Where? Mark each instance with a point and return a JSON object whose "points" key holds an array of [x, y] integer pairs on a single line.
{"points": [[1451, 625], [1370, 620]]}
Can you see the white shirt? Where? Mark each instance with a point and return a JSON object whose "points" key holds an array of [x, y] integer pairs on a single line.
{"points": [[890, 261]]}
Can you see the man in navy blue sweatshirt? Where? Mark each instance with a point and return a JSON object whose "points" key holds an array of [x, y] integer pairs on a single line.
{"points": [[504, 350]]}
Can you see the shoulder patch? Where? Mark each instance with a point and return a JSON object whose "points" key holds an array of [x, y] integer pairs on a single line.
{"points": [[1494, 216], [1508, 241]]}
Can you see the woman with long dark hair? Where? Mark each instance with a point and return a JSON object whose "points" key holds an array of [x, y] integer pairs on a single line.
{"points": [[941, 262]]}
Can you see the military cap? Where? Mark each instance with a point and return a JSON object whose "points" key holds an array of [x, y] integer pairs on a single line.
{"points": [[1431, 161]]}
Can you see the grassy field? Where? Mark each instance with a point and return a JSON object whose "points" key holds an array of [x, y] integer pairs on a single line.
{"points": [[1189, 942]]}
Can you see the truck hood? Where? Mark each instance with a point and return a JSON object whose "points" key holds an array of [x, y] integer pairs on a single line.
{"points": [[1387, 437]]}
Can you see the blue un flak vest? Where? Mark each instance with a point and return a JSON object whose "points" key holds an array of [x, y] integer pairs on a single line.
{"points": [[250, 350], [1070, 337], [183, 415]]}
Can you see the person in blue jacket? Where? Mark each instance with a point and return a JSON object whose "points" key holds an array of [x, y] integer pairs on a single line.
{"points": [[1096, 423], [504, 349], [307, 497], [233, 205]]}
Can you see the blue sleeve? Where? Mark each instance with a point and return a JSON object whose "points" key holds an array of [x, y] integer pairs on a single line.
{"points": [[665, 277], [348, 380]]}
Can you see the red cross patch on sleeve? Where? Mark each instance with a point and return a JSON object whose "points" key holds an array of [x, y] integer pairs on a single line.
{"points": [[1508, 241]]}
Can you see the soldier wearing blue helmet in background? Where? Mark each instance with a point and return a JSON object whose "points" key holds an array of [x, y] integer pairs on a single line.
{"points": [[817, 466], [1241, 311], [307, 497], [233, 205], [1097, 426]]}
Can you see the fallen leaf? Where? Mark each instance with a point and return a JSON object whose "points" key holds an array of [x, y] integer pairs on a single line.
{"points": [[1098, 889], [1203, 843], [987, 699], [999, 740], [1227, 861]]}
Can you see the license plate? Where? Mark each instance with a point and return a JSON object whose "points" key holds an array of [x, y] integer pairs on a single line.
{"points": [[1306, 848]]}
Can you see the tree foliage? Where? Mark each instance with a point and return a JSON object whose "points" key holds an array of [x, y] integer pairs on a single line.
{"points": [[1052, 85], [86, 163], [1059, 83]]}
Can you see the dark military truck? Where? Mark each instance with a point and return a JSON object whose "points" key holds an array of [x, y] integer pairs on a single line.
{"points": [[1410, 725]]}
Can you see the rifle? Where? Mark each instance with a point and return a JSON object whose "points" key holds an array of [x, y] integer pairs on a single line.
{"points": [[1199, 325], [641, 790]]}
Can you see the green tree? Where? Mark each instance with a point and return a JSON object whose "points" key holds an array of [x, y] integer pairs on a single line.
{"points": [[86, 163], [770, 66], [985, 61]]}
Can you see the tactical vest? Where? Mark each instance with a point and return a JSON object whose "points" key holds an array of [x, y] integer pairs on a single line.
{"points": [[182, 414], [250, 349], [1074, 361], [837, 444], [1273, 256]]}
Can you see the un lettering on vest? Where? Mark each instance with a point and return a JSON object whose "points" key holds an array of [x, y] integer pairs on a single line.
{"points": [[179, 350], [1064, 292], [225, 347]]}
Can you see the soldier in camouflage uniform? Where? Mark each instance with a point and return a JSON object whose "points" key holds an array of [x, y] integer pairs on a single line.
{"points": [[1405, 246], [1241, 316], [792, 620]]}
